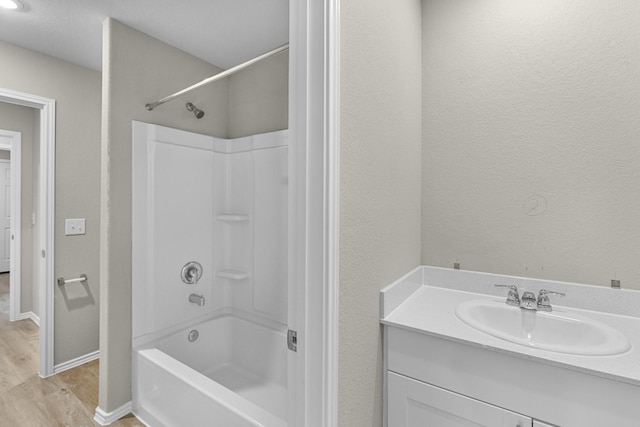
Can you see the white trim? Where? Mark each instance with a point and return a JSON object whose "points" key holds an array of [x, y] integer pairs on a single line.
{"points": [[15, 263], [46, 215], [332, 209], [29, 315], [314, 126], [73, 363], [47, 236], [105, 418], [16, 221], [295, 317]]}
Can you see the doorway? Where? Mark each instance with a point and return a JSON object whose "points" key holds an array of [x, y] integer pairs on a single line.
{"points": [[44, 251]]}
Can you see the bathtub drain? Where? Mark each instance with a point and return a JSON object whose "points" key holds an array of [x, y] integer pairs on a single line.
{"points": [[193, 335]]}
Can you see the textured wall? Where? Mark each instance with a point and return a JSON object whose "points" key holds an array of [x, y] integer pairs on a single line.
{"points": [[531, 155], [380, 149], [259, 97], [77, 94], [23, 119], [137, 69]]}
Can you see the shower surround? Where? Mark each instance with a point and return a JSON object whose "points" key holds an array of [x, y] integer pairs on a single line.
{"points": [[223, 204]]}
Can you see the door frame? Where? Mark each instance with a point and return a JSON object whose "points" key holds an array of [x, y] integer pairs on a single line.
{"points": [[314, 123], [46, 216], [15, 282]]}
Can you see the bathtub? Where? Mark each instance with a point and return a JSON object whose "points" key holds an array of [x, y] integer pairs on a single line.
{"points": [[233, 374]]}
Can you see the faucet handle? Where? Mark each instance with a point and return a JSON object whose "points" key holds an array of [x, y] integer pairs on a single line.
{"points": [[191, 273], [543, 299], [513, 298]]}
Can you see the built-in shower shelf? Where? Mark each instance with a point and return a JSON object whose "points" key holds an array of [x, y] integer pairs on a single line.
{"points": [[232, 217], [233, 274]]}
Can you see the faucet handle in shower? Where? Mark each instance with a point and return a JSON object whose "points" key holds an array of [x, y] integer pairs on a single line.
{"points": [[191, 272]]}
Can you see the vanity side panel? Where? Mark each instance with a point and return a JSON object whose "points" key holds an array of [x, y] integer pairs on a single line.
{"points": [[559, 396]]}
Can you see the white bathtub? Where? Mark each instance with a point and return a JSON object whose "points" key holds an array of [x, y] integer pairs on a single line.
{"points": [[234, 374]]}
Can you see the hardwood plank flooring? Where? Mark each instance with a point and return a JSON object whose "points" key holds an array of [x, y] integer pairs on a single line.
{"points": [[26, 400]]}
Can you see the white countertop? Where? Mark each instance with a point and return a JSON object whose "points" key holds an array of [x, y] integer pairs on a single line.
{"points": [[430, 310]]}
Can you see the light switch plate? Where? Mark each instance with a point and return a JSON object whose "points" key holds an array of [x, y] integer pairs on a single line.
{"points": [[74, 226]]}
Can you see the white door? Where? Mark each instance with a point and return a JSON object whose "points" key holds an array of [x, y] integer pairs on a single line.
{"points": [[5, 215], [537, 423], [413, 403]]}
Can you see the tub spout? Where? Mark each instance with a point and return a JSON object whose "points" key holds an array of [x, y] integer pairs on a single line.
{"points": [[196, 299]]}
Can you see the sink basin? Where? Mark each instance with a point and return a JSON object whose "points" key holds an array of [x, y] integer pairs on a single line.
{"points": [[559, 331]]}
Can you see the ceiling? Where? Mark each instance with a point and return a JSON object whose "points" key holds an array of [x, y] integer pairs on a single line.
{"points": [[222, 32]]}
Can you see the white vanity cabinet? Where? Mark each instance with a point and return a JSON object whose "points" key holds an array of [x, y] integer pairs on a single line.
{"points": [[434, 381], [439, 371], [412, 403]]}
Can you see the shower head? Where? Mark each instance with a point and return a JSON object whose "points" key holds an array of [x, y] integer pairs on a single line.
{"points": [[199, 113]]}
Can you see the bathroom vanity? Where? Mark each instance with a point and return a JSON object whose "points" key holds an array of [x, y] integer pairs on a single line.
{"points": [[441, 370]]}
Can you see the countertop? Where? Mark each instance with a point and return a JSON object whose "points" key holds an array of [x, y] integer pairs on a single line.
{"points": [[430, 310]]}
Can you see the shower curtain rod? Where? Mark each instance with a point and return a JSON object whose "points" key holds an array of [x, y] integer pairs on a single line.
{"points": [[216, 77]]}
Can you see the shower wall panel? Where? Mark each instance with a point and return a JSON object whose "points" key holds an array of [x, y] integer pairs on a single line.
{"points": [[253, 255], [234, 218], [173, 207], [270, 233], [222, 203]]}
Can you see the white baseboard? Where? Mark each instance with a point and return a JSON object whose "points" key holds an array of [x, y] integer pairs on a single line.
{"points": [[105, 418], [29, 315], [76, 362]]}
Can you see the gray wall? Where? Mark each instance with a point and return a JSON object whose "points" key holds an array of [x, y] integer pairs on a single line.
{"points": [[258, 97], [137, 69], [77, 94], [25, 120], [380, 148], [531, 158]]}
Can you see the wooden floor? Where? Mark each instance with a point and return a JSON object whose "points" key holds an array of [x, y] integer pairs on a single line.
{"points": [[26, 400]]}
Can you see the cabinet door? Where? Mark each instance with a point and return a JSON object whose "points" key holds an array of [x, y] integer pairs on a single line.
{"points": [[537, 423], [412, 403]]}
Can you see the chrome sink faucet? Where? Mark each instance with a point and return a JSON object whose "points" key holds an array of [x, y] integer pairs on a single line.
{"points": [[543, 299], [528, 300], [513, 298]]}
